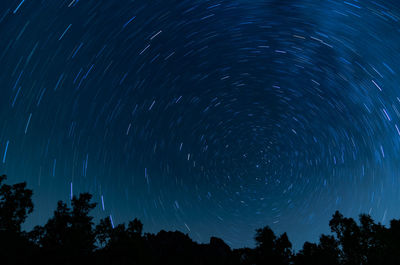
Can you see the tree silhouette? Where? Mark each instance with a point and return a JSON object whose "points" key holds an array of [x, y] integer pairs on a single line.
{"points": [[218, 252], [15, 205], [390, 254], [81, 233], [326, 252], [349, 235], [69, 233], [69, 237], [135, 228], [270, 249], [372, 240], [103, 232], [54, 235], [121, 244]]}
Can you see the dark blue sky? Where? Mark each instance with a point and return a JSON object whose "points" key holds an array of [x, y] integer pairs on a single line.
{"points": [[209, 117]]}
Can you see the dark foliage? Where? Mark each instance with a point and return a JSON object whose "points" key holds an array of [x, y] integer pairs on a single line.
{"points": [[71, 237], [15, 205]]}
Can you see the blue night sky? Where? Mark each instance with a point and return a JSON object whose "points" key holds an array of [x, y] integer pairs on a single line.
{"points": [[208, 117]]}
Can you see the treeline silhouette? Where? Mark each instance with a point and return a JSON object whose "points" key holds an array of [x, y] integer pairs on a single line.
{"points": [[71, 237]]}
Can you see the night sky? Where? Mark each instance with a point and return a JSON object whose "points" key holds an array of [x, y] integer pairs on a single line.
{"points": [[208, 117]]}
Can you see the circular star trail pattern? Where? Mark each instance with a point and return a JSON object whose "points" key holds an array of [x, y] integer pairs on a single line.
{"points": [[209, 117]]}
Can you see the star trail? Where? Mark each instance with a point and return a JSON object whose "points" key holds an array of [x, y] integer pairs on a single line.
{"points": [[208, 117]]}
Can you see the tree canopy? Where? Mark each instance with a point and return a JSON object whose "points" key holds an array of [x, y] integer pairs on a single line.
{"points": [[70, 236]]}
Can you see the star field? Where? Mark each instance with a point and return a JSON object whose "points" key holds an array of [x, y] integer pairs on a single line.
{"points": [[209, 117]]}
